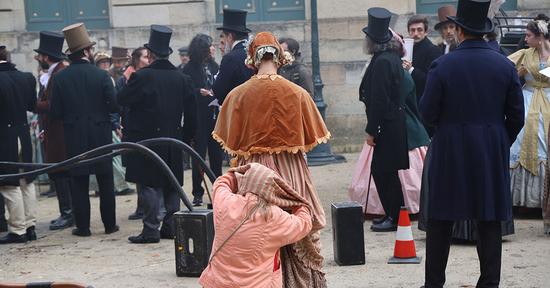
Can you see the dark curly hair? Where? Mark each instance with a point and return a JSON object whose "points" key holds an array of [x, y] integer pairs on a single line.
{"points": [[136, 54], [534, 28], [199, 48]]}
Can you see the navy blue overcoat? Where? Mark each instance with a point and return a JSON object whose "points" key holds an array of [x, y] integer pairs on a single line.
{"points": [[233, 72], [473, 96]]}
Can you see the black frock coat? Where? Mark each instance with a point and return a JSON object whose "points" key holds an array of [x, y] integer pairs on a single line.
{"points": [[82, 97], [379, 91], [233, 72], [157, 97], [17, 96], [424, 53]]}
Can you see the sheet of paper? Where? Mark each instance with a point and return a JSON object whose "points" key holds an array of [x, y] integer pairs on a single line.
{"points": [[545, 72], [409, 44]]}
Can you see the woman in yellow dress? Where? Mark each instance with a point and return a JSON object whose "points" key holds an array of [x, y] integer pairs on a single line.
{"points": [[529, 153], [272, 121]]}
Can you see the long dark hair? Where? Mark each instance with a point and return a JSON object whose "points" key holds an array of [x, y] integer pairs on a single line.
{"points": [[199, 48]]}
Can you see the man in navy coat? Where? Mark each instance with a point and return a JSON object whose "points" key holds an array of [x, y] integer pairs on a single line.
{"points": [[233, 72], [473, 97]]}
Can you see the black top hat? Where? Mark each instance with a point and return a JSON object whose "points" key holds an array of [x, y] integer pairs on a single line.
{"points": [[51, 44], [379, 23], [234, 21], [471, 15], [159, 40]]}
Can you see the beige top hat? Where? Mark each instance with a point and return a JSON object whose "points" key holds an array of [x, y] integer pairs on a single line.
{"points": [[77, 37]]}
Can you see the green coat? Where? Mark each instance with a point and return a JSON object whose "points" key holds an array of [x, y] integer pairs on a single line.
{"points": [[416, 134]]}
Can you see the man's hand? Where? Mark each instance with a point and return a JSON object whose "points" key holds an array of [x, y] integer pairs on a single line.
{"points": [[206, 92], [41, 136], [370, 140], [407, 65], [118, 133], [522, 71]]}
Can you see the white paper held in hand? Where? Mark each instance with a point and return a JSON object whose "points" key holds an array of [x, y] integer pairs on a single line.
{"points": [[409, 44], [545, 72]]}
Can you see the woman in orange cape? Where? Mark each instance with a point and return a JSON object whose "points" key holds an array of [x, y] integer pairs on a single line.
{"points": [[272, 121]]}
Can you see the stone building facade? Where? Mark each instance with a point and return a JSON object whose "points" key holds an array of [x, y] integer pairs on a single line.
{"points": [[126, 23]]}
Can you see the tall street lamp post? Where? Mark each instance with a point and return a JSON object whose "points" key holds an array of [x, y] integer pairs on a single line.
{"points": [[321, 154]]}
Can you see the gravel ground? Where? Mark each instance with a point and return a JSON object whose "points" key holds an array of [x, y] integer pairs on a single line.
{"points": [[110, 261]]}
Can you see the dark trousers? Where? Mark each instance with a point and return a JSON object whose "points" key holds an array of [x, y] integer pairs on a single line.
{"points": [[389, 190], [151, 205], [81, 200], [2, 210], [204, 142], [63, 187], [489, 251]]}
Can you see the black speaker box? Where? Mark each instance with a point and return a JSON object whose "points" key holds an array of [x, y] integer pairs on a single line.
{"points": [[347, 233], [194, 237]]}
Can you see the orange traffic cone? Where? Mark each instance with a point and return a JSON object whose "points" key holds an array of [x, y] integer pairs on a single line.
{"points": [[404, 251]]}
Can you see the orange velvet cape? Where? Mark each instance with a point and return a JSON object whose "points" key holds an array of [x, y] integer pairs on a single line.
{"points": [[269, 114]]}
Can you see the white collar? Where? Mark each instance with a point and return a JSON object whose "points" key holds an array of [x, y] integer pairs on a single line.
{"points": [[2, 61], [50, 70], [236, 42]]}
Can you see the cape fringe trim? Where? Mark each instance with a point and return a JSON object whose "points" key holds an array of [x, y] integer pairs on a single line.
{"points": [[277, 150]]}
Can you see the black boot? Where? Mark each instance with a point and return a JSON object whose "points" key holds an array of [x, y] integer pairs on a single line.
{"points": [[141, 239], [379, 220], [82, 232], [62, 222], [13, 238], [387, 226], [31, 234]]}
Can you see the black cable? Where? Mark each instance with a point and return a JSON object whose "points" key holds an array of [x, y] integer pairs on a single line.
{"points": [[96, 153], [147, 143]]}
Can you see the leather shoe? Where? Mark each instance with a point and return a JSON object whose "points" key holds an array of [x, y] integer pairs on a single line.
{"points": [[197, 201], [379, 220], [112, 229], [13, 238], [135, 216], [61, 223], [387, 226], [31, 234], [81, 232], [140, 239]]}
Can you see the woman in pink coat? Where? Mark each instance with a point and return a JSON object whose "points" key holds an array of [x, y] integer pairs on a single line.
{"points": [[251, 227]]}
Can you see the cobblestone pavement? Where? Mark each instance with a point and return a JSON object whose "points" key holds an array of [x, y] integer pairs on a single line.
{"points": [[109, 261]]}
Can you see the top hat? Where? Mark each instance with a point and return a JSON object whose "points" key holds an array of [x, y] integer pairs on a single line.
{"points": [[183, 51], [119, 53], [442, 13], [472, 16], [51, 44], [77, 37], [159, 40], [234, 21], [379, 23]]}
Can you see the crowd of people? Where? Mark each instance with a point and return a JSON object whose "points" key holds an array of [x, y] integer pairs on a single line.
{"points": [[445, 138]]}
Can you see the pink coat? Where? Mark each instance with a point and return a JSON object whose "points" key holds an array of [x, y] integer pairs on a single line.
{"points": [[251, 256]]}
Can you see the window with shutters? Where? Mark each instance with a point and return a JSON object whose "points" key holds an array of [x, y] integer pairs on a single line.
{"points": [[431, 6], [264, 10], [55, 14]]}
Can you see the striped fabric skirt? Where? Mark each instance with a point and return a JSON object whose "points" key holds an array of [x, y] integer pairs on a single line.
{"points": [[302, 261]]}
